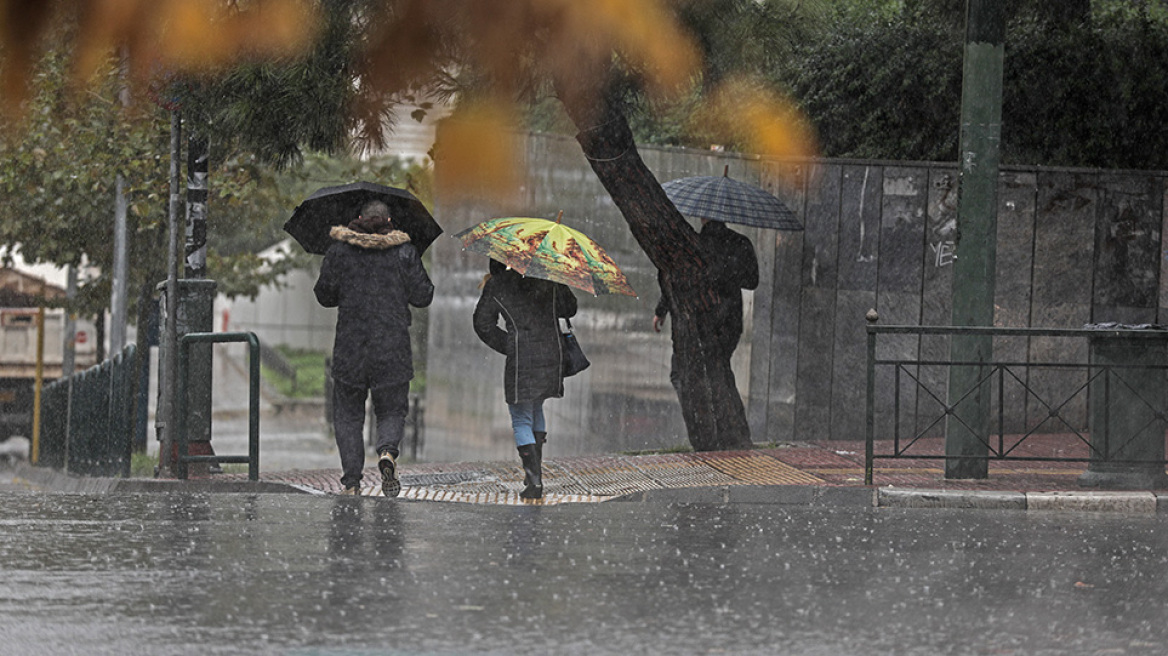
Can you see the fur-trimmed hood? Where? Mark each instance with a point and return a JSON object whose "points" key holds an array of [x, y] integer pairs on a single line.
{"points": [[369, 241]]}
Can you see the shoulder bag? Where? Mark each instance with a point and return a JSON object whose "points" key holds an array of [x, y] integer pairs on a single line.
{"points": [[574, 360]]}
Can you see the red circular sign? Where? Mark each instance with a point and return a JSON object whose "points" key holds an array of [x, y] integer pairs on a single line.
{"points": [[81, 337]]}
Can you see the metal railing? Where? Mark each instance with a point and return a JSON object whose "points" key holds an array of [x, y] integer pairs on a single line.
{"points": [[88, 419], [253, 430], [1065, 405]]}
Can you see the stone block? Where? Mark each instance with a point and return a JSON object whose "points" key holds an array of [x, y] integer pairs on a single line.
{"points": [[1124, 502], [912, 498]]}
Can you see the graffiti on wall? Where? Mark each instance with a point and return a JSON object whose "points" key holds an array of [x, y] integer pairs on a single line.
{"points": [[943, 220], [944, 252]]}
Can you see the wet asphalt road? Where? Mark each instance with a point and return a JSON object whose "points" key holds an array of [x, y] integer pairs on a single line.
{"points": [[300, 574]]}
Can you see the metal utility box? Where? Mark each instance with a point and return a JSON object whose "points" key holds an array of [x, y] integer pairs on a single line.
{"points": [[1128, 396]]}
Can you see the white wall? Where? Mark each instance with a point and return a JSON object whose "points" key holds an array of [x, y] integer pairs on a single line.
{"points": [[287, 315]]}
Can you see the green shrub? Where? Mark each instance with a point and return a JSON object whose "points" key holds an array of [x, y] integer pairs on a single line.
{"points": [[142, 465], [310, 374], [309, 366]]}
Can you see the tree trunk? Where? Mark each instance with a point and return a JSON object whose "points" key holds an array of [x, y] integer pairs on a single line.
{"points": [[715, 418]]}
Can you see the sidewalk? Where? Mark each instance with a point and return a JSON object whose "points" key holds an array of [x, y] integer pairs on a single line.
{"points": [[821, 474], [805, 473], [298, 456]]}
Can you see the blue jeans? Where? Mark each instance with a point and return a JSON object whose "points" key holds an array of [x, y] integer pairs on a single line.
{"points": [[526, 419]]}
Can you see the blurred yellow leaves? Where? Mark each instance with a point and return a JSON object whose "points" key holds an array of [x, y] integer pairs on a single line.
{"points": [[22, 22], [200, 35], [758, 119], [479, 153], [507, 42], [574, 43], [155, 35], [405, 44], [643, 32]]}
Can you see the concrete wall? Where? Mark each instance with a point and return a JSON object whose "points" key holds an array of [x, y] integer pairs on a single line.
{"points": [[284, 315], [1074, 247]]}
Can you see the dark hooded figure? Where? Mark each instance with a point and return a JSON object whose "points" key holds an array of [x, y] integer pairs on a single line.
{"points": [[372, 275], [731, 266], [531, 309]]}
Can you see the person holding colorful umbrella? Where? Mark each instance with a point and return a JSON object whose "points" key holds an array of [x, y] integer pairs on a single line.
{"points": [[531, 309], [532, 263]]}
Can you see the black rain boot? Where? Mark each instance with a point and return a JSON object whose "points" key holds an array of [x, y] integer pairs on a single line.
{"points": [[533, 477], [540, 440]]}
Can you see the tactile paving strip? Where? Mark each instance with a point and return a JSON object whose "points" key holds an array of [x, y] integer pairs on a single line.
{"points": [[749, 468], [588, 479], [505, 498], [680, 470], [608, 476], [442, 478]]}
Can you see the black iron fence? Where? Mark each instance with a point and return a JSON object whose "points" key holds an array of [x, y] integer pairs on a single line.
{"points": [[87, 419], [1101, 390]]}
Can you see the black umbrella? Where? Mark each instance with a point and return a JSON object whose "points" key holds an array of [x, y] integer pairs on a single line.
{"points": [[720, 198], [330, 206]]}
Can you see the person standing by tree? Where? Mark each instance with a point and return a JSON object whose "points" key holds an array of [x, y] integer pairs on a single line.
{"points": [[731, 266], [372, 275], [531, 309]]}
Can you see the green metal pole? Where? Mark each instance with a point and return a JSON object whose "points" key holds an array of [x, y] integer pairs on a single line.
{"points": [[166, 421], [870, 425], [968, 428]]}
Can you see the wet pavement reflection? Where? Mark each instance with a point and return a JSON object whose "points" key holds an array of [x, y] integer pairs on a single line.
{"points": [[301, 574]]}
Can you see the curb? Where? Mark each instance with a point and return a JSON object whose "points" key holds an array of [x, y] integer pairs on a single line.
{"points": [[1121, 502], [904, 498], [860, 497], [1126, 502], [55, 481], [782, 495]]}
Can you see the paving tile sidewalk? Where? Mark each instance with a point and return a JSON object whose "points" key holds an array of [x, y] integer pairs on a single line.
{"points": [[790, 473], [822, 473]]}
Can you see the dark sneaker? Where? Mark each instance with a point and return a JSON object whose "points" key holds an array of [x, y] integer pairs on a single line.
{"points": [[352, 490], [390, 485]]}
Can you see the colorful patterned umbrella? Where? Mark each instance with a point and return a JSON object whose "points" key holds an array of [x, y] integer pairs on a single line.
{"points": [[549, 250]]}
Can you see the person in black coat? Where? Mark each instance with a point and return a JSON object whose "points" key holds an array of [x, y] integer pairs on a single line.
{"points": [[530, 309], [372, 275], [731, 266]]}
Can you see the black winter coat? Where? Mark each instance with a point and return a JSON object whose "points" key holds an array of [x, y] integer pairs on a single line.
{"points": [[531, 309], [372, 280], [731, 266]]}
